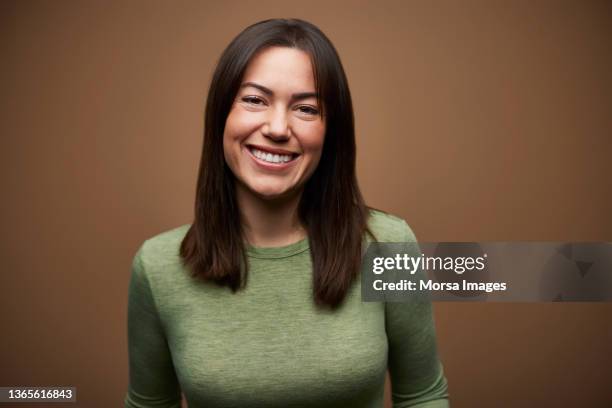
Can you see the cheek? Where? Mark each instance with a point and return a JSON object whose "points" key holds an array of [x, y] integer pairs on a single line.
{"points": [[238, 127], [313, 136], [234, 127]]}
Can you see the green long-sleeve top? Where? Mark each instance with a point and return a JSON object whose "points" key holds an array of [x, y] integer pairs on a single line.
{"points": [[269, 345]]}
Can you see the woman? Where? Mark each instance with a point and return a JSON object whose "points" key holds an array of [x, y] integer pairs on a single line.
{"points": [[277, 206]]}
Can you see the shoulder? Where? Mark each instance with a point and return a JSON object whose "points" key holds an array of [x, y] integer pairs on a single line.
{"points": [[155, 275], [389, 228], [161, 250]]}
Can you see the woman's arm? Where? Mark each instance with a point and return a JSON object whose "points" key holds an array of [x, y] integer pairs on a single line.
{"points": [[417, 376], [153, 382]]}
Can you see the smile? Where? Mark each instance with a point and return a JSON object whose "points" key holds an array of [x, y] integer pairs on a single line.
{"points": [[272, 156]]}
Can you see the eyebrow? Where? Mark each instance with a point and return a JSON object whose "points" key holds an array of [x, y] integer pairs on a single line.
{"points": [[268, 91]]}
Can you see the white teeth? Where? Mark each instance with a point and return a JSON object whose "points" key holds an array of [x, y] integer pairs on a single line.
{"points": [[269, 157]]}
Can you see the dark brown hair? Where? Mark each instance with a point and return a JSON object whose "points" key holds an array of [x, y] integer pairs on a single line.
{"points": [[331, 207]]}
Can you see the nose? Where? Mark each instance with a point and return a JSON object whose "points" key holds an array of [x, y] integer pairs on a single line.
{"points": [[277, 125]]}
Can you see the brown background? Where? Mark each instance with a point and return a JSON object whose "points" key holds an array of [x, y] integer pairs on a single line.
{"points": [[476, 121]]}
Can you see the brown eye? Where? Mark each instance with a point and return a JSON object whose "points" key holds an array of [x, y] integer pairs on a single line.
{"points": [[309, 110], [253, 100]]}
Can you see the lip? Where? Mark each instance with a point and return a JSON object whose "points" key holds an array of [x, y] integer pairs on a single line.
{"points": [[271, 166], [273, 150]]}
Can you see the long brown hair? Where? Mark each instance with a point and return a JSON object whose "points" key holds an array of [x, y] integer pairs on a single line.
{"points": [[331, 207]]}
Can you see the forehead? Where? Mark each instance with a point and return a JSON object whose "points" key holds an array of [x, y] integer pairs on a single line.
{"points": [[281, 68]]}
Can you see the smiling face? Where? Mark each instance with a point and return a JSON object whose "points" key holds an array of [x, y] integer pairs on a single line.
{"points": [[274, 132]]}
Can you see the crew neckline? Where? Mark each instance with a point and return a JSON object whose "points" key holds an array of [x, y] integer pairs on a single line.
{"points": [[277, 252]]}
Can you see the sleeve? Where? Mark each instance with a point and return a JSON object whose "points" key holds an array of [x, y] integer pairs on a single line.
{"points": [[417, 375], [153, 381]]}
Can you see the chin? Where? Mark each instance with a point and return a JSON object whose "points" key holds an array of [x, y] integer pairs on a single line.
{"points": [[271, 192]]}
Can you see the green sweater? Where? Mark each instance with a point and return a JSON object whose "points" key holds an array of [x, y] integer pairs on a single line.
{"points": [[269, 346]]}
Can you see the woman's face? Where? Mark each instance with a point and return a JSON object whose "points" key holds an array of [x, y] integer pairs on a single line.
{"points": [[274, 132]]}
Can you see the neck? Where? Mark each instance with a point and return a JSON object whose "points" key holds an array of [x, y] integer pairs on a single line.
{"points": [[270, 223]]}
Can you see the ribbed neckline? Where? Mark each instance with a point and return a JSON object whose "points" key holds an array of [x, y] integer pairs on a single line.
{"points": [[278, 252]]}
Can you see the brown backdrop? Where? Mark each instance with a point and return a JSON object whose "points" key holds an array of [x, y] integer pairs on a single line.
{"points": [[476, 121]]}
